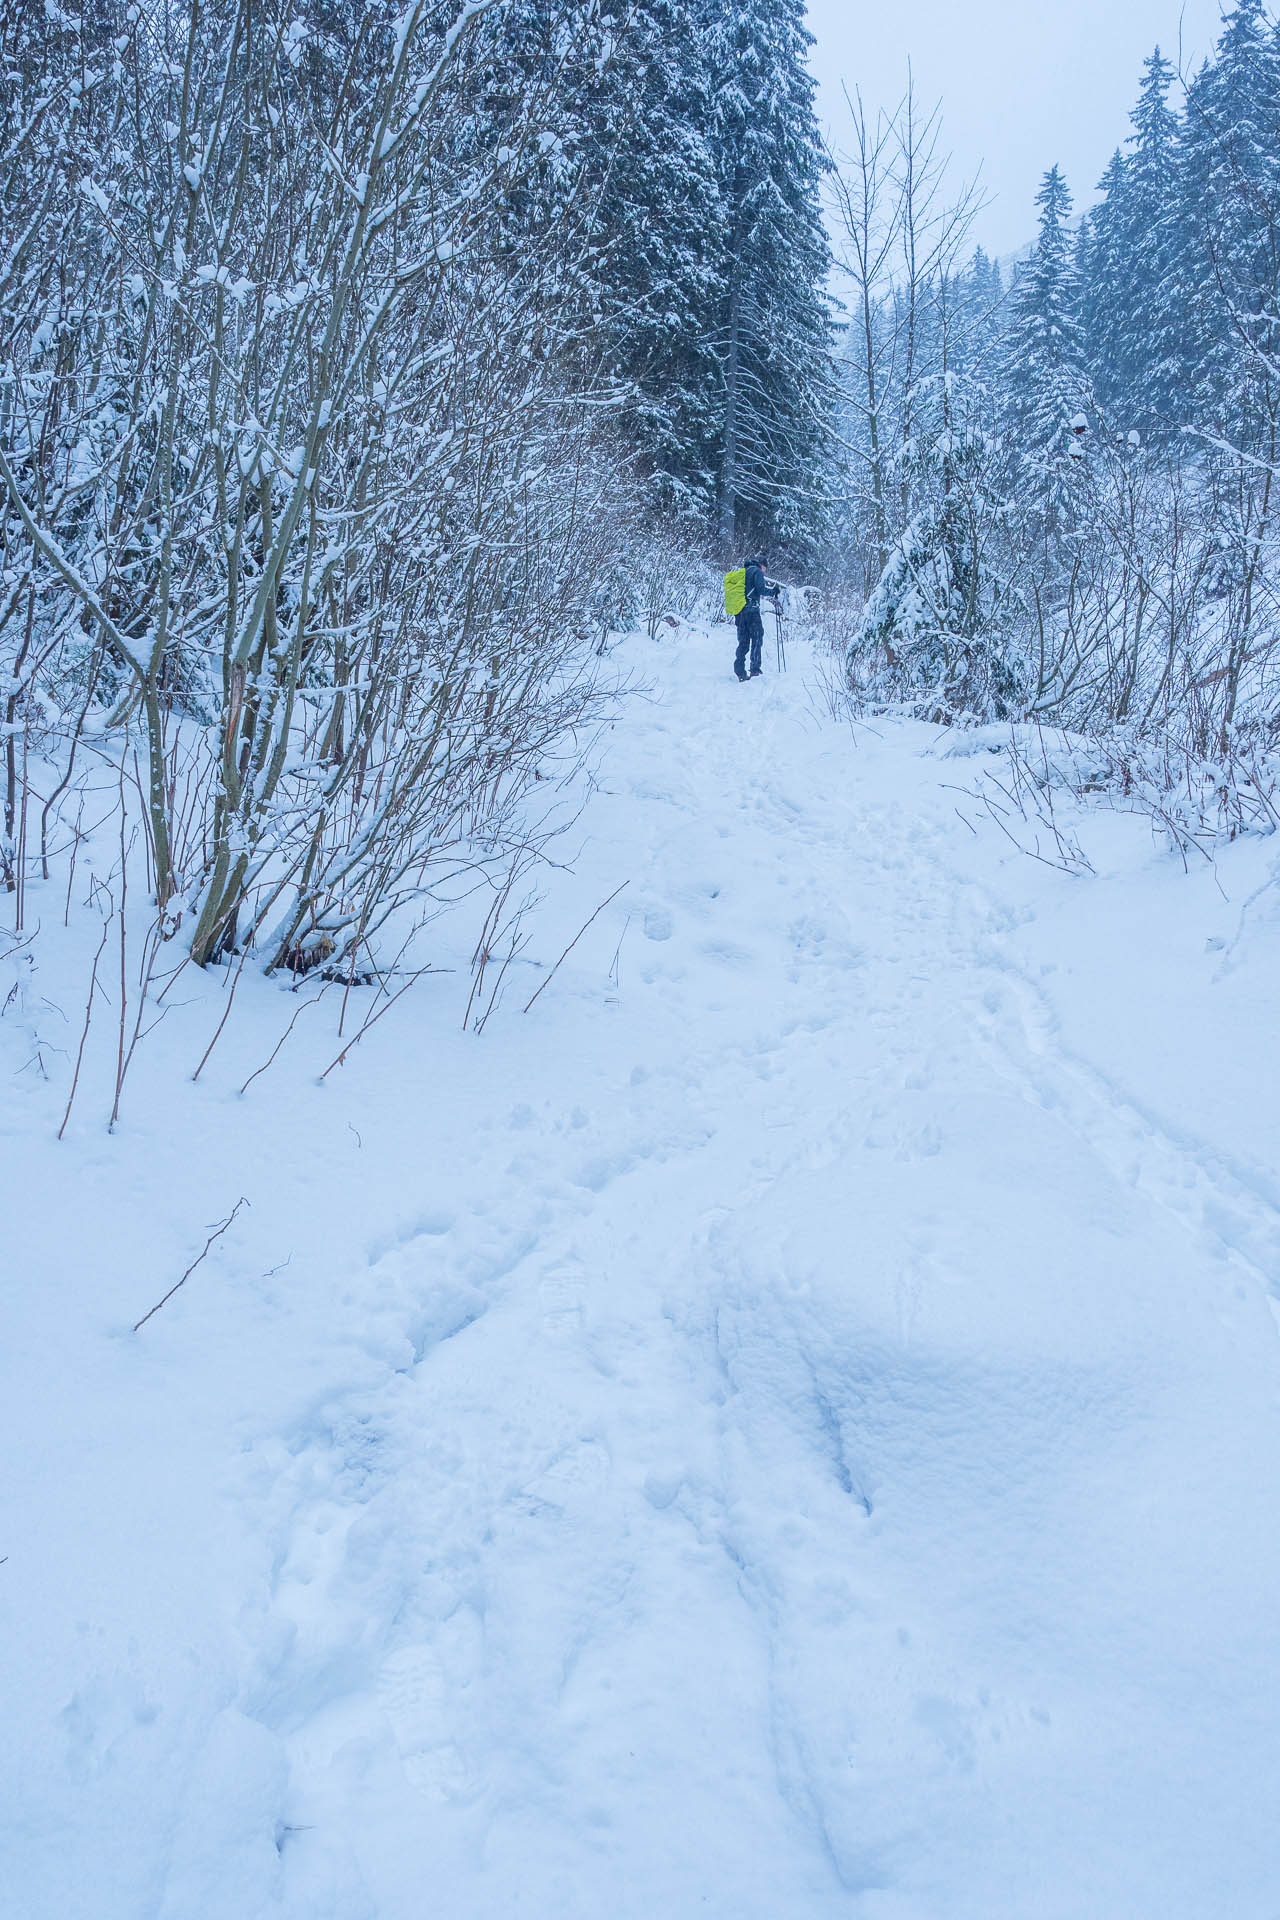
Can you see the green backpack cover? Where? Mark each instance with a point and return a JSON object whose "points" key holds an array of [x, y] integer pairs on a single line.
{"points": [[735, 591]]}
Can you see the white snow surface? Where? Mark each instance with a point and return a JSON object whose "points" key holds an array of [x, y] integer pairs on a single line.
{"points": [[788, 1428]]}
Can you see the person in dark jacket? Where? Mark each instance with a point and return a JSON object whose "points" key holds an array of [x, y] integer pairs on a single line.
{"points": [[749, 622]]}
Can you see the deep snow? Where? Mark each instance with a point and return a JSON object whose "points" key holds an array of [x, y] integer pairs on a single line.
{"points": [[789, 1427]]}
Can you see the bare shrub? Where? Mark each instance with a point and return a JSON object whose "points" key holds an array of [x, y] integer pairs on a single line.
{"points": [[299, 488]]}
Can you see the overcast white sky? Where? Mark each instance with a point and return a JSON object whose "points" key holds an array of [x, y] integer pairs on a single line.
{"points": [[1023, 83]]}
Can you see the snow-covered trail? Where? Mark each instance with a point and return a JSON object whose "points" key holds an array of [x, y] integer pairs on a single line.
{"points": [[815, 1447]]}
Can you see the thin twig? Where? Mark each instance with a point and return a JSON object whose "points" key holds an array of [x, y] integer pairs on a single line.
{"points": [[615, 968], [231, 994], [150, 948], [285, 1035], [88, 1015], [517, 947], [124, 983], [217, 1234], [577, 936], [373, 1018]]}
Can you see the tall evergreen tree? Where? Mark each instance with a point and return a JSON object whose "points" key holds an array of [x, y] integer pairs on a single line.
{"points": [[1147, 364], [1105, 267], [1129, 244], [978, 301], [677, 181], [624, 193], [1226, 281], [1045, 374], [657, 211], [775, 325]]}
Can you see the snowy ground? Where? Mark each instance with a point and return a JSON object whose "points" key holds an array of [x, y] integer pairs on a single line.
{"points": [[788, 1428]]}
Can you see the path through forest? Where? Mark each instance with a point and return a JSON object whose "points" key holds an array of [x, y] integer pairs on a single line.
{"points": [[789, 1428]]}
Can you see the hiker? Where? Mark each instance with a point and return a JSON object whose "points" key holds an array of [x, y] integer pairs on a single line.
{"points": [[742, 591]]}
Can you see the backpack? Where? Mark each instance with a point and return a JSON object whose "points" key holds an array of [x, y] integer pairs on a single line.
{"points": [[735, 591]]}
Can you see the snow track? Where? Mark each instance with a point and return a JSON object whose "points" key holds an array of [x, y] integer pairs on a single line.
{"points": [[802, 1440], [1236, 1221]]}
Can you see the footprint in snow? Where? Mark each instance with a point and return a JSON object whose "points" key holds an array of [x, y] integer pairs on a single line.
{"points": [[560, 1295], [413, 1694], [574, 1478], [427, 1226], [727, 954], [919, 1143]]}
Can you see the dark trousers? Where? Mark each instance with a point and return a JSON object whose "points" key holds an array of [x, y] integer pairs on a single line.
{"points": [[750, 634]]}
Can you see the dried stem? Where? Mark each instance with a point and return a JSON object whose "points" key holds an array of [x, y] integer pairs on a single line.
{"points": [[84, 1032], [216, 1234], [577, 936]]}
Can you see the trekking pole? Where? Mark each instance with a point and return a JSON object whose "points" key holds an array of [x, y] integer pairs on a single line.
{"points": [[781, 641]]}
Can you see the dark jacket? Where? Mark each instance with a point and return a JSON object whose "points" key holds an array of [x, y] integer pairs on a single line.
{"points": [[756, 584]]}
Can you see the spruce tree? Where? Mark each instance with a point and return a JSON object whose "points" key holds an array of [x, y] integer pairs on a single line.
{"points": [[675, 179], [656, 213], [1045, 377], [1146, 367], [622, 190], [1226, 279], [979, 307], [940, 628], [775, 329], [1129, 242], [1105, 267]]}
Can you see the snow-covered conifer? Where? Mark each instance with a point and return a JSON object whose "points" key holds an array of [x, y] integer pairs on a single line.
{"points": [[939, 631], [1046, 384], [657, 216], [1105, 268], [622, 193], [1226, 272], [1129, 243], [774, 257]]}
